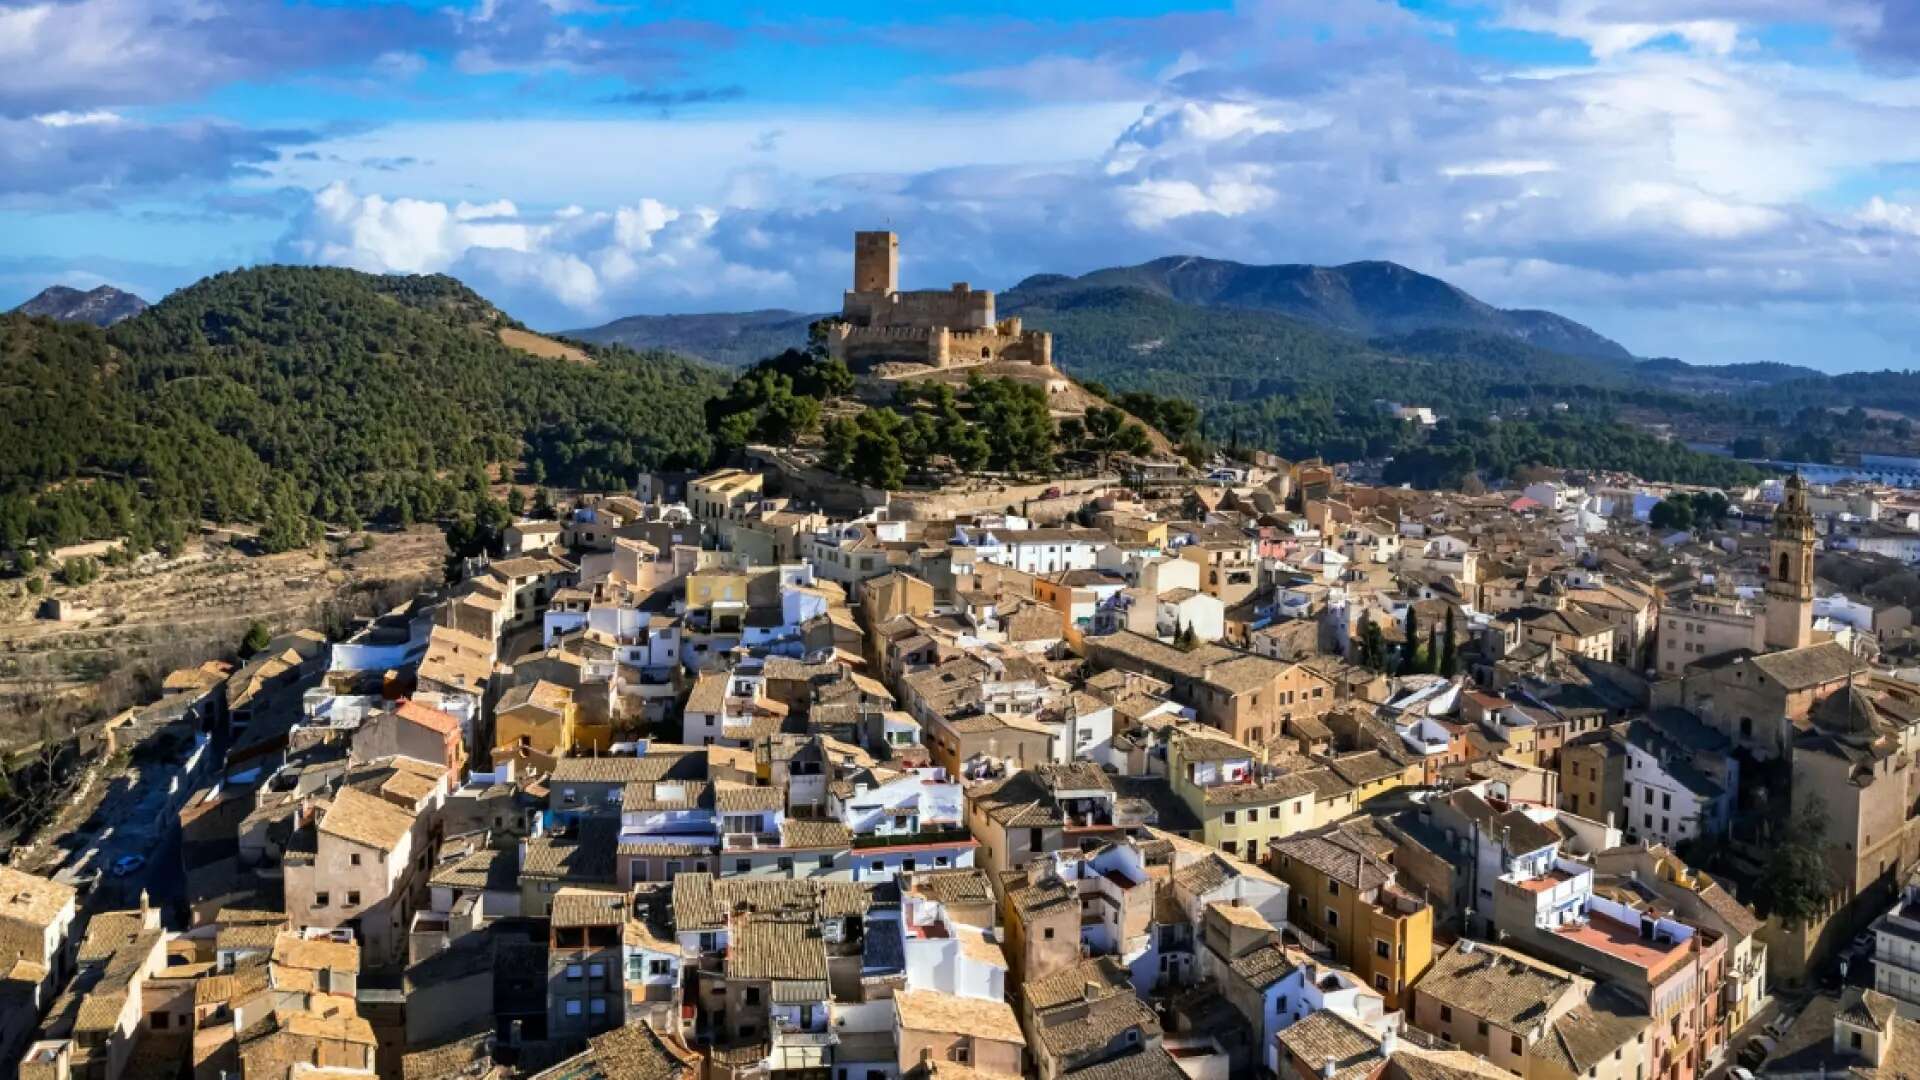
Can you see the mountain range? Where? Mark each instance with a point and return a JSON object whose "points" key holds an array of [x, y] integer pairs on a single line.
{"points": [[1363, 299], [103, 306]]}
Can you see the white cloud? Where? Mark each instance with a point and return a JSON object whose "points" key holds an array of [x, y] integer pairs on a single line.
{"points": [[78, 119], [1893, 216], [572, 258]]}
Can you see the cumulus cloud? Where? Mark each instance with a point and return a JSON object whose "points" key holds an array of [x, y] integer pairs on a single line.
{"points": [[568, 260]]}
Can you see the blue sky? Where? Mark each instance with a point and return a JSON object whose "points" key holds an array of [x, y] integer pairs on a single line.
{"points": [[1720, 180]]}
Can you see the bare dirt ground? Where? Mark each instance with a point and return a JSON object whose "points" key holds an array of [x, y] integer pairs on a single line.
{"points": [[159, 614]]}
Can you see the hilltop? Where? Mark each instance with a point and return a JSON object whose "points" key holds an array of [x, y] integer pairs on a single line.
{"points": [[287, 396], [103, 306], [1365, 299]]}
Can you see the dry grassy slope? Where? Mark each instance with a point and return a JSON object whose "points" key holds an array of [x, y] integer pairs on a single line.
{"points": [[542, 346], [191, 608]]}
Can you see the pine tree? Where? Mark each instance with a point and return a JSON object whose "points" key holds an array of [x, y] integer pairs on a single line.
{"points": [[1409, 655], [1449, 649]]}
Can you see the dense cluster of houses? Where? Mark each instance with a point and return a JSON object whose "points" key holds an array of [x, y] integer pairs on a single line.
{"points": [[1285, 777]]}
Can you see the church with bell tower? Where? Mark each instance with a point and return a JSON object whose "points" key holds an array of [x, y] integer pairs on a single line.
{"points": [[1790, 571]]}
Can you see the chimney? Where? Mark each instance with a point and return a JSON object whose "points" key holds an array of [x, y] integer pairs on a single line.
{"points": [[1389, 1042], [1090, 990], [1327, 1069]]}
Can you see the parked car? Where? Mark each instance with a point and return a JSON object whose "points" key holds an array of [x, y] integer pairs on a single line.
{"points": [[1756, 1051], [128, 865]]}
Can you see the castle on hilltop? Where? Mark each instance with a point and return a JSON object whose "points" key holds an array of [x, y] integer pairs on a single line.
{"points": [[942, 328]]}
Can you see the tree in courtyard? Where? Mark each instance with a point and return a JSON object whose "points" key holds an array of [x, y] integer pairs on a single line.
{"points": [[1449, 664], [1799, 883]]}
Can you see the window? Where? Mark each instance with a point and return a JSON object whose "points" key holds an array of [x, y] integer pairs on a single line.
{"points": [[960, 1053], [1380, 982], [826, 862], [741, 866], [1481, 1027], [596, 971], [1273, 813], [1446, 1014], [659, 967], [1382, 949], [354, 859], [906, 866], [1333, 888], [320, 899], [573, 1006], [353, 897], [1230, 817], [1854, 1036], [575, 971], [598, 1007], [1518, 1046], [751, 996], [1666, 801], [1047, 934], [158, 1020], [1333, 917], [785, 862]]}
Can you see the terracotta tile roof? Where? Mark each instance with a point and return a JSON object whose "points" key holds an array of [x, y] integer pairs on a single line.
{"points": [[540, 694], [952, 886], [366, 819], [951, 1014], [1798, 669], [1264, 966], [809, 834], [730, 797], [1336, 855], [776, 947], [1327, 1035], [428, 717], [30, 902], [588, 907], [1106, 973], [1495, 984], [314, 954]]}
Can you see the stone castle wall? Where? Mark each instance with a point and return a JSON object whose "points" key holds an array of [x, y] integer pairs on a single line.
{"points": [[864, 347], [960, 307], [939, 328]]}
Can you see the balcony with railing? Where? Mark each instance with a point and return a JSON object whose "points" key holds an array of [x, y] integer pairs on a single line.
{"points": [[750, 841]]}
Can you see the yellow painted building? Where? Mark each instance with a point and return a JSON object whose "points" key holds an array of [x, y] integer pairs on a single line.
{"points": [[1347, 897], [543, 717]]}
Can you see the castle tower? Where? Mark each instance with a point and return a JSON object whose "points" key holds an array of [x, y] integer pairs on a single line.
{"points": [[876, 262], [1790, 571]]}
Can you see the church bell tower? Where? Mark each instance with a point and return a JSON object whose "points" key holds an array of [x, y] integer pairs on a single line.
{"points": [[1790, 571]]}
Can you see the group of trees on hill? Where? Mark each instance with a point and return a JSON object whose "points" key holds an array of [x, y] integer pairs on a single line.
{"points": [[289, 397], [997, 424], [1263, 380]]}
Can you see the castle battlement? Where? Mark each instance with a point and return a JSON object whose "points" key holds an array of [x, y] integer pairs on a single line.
{"points": [[952, 327]]}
